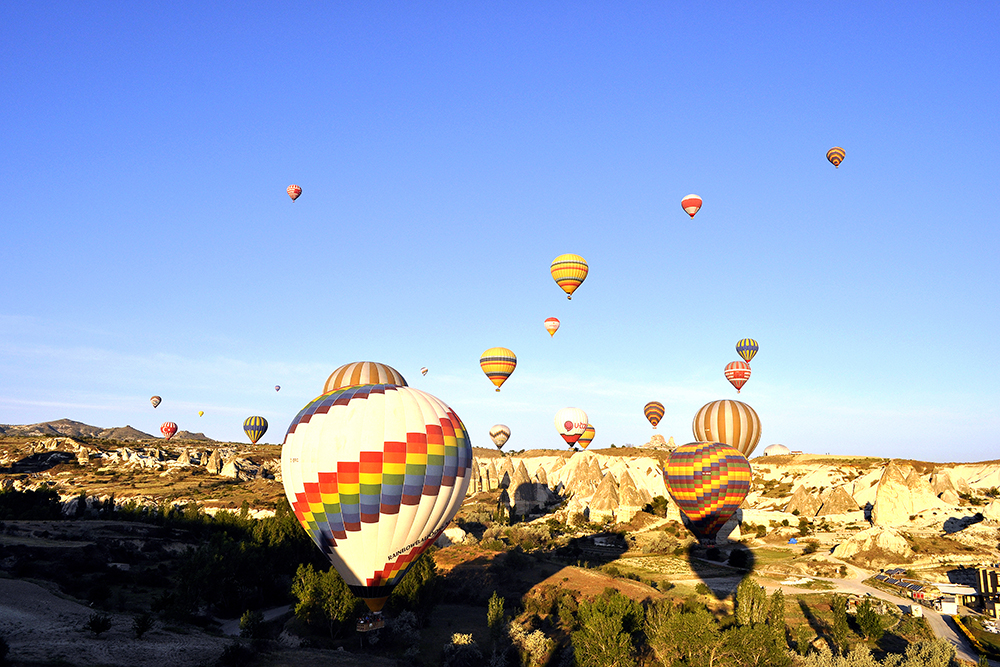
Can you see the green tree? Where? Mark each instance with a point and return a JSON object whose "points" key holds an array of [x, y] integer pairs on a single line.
{"points": [[495, 617], [750, 603], [323, 597], [415, 591], [753, 646], [869, 621], [676, 634], [605, 635], [776, 618], [252, 624], [840, 630]]}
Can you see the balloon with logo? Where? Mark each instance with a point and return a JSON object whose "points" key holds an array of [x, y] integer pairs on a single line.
{"points": [[293, 191], [498, 363], [708, 481], [747, 348], [732, 422], [587, 437], [571, 423], [255, 428], [691, 205], [551, 325], [374, 473], [362, 372], [738, 372], [654, 412], [168, 429], [836, 155], [569, 272], [499, 434], [155, 400]]}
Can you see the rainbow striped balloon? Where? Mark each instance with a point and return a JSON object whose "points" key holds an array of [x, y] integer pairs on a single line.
{"points": [[709, 481], [732, 422], [746, 348], [587, 437], [255, 428], [363, 372], [654, 412], [498, 363], [569, 272], [374, 474]]}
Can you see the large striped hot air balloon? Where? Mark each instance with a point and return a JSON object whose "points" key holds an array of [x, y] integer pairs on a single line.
{"points": [[569, 271], [654, 412], [374, 474], [836, 155], [499, 434], [155, 400], [708, 481], [746, 348], [293, 191], [363, 372], [691, 204], [168, 429], [255, 428], [571, 423], [551, 325], [586, 437], [498, 363], [738, 372], [731, 422]]}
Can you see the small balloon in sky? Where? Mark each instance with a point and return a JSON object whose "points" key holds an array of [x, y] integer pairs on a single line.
{"points": [[738, 372], [423, 370], [747, 348], [155, 400], [654, 412], [569, 272], [499, 434], [168, 429], [255, 428], [201, 413], [691, 204], [571, 423], [498, 363], [836, 155], [552, 325], [293, 191]]}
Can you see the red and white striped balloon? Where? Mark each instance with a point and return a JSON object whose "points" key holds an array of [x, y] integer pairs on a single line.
{"points": [[738, 372], [691, 204], [293, 191]]}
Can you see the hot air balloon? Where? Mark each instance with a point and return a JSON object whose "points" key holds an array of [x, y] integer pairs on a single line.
{"points": [[747, 348], [362, 372], [571, 423], [201, 412], [587, 437], [836, 155], [374, 474], [277, 387], [552, 325], [155, 400], [293, 191], [168, 429], [653, 412], [498, 363], [708, 481], [423, 371], [255, 428], [738, 372], [731, 422], [569, 271], [691, 205], [499, 433]]}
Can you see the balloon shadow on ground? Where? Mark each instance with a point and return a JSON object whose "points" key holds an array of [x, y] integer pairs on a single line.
{"points": [[721, 567], [954, 525], [819, 626]]}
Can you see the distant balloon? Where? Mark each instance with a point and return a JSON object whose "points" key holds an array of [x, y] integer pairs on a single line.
{"points": [[201, 412], [293, 191], [498, 363], [587, 437], [423, 371], [499, 433], [362, 372], [731, 422], [552, 325], [738, 372], [155, 400], [691, 205], [569, 272], [747, 348], [654, 412], [255, 428], [708, 481], [836, 155], [571, 423], [277, 387], [374, 474], [168, 429]]}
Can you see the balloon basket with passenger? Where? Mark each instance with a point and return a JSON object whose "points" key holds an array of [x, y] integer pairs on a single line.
{"points": [[372, 620]]}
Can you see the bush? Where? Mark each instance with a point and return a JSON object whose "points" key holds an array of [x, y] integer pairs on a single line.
{"points": [[98, 624], [141, 624], [702, 589], [252, 624]]}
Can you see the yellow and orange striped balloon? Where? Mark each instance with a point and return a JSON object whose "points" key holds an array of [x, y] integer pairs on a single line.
{"points": [[363, 372], [836, 155], [569, 272], [731, 422], [498, 363]]}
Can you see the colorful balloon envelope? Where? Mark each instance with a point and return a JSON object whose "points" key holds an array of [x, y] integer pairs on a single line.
{"points": [[277, 387], [201, 413], [293, 191], [168, 429], [552, 326], [653, 412], [498, 363], [738, 372], [423, 371], [731, 422], [708, 481], [691, 204], [155, 400], [571, 423], [363, 372], [374, 474], [255, 428], [836, 155], [499, 433], [569, 272], [586, 437], [746, 348]]}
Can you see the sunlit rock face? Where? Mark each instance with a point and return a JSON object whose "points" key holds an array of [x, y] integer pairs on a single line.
{"points": [[807, 504], [874, 545], [837, 501], [902, 493]]}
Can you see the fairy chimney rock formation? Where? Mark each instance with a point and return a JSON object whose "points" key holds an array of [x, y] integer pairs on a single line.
{"points": [[837, 501], [604, 504], [902, 493], [804, 502]]}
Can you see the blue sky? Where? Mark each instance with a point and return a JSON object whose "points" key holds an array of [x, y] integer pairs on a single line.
{"points": [[447, 153]]}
